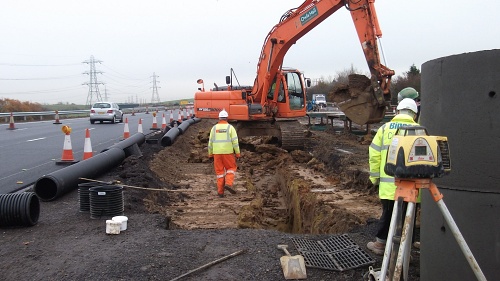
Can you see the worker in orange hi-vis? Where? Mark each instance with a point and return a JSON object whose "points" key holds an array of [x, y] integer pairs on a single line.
{"points": [[223, 147]]}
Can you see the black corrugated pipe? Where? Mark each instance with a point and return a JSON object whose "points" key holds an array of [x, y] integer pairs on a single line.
{"points": [[169, 138], [129, 145], [184, 125], [53, 185], [19, 209]]}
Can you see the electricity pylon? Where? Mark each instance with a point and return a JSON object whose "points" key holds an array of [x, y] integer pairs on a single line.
{"points": [[155, 98], [93, 83]]}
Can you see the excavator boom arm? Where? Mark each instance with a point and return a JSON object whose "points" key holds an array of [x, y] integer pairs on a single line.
{"points": [[297, 22]]}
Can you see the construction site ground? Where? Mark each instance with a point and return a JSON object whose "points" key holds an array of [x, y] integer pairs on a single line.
{"points": [[177, 223]]}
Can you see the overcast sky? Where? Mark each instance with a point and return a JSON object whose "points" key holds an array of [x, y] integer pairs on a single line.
{"points": [[43, 43]]}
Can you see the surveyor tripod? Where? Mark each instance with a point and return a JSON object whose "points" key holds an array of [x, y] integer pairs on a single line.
{"points": [[396, 261]]}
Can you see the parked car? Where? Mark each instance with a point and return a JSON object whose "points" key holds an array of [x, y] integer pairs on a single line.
{"points": [[106, 111]]}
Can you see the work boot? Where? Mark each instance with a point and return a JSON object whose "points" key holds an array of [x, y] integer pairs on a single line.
{"points": [[230, 189], [220, 195], [376, 247]]}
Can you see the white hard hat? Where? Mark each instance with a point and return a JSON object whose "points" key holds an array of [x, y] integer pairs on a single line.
{"points": [[408, 103], [223, 114]]}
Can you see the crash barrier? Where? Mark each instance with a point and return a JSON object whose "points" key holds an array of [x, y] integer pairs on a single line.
{"points": [[84, 195], [53, 185], [169, 138], [19, 209], [106, 201]]}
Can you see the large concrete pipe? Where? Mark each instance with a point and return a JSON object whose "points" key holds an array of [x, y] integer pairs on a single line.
{"points": [[460, 100], [169, 138], [53, 185]]}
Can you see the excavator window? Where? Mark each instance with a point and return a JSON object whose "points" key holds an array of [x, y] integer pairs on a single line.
{"points": [[295, 92]]}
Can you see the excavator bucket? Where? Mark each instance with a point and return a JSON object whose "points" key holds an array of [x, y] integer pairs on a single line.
{"points": [[357, 100]]}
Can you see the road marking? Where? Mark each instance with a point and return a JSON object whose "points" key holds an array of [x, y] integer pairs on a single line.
{"points": [[36, 139]]}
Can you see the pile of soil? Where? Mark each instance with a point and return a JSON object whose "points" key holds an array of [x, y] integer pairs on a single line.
{"points": [[177, 223]]}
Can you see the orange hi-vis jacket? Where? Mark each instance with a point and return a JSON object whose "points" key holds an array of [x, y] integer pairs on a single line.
{"points": [[223, 139]]}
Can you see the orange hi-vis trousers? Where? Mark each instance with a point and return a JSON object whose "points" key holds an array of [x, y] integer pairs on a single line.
{"points": [[225, 167]]}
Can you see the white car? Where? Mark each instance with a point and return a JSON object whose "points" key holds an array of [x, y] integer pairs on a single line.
{"points": [[105, 111]]}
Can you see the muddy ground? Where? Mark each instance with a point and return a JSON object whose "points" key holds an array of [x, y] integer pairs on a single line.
{"points": [[178, 224]]}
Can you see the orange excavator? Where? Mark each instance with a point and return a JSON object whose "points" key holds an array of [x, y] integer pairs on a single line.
{"points": [[278, 96]]}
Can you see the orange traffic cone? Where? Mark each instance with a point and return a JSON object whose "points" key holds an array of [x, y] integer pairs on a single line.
{"points": [[171, 117], [57, 118], [139, 128], [163, 123], [67, 155], [87, 148], [11, 124], [133, 112], [185, 113], [155, 124], [126, 132], [147, 110], [179, 117]]}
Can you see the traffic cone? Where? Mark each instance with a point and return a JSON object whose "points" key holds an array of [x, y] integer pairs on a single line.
{"points": [[139, 128], [11, 124], [179, 117], [147, 110], [87, 148], [185, 113], [126, 132], [67, 154], [133, 112], [171, 116], [155, 124], [57, 118], [163, 123]]}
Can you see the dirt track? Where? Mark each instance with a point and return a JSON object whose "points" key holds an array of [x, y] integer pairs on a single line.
{"points": [[311, 195]]}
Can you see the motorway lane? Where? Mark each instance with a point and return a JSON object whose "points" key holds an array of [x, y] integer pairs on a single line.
{"points": [[30, 151]]}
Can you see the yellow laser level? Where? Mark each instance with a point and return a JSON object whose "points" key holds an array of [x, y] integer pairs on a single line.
{"points": [[414, 154]]}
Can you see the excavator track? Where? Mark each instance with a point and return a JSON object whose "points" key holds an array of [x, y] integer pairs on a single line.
{"points": [[293, 134]]}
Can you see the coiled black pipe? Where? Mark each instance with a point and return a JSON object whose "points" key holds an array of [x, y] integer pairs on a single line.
{"points": [[19, 209], [53, 185], [169, 138], [106, 201]]}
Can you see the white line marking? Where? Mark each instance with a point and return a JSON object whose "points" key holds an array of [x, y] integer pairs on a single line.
{"points": [[36, 139]]}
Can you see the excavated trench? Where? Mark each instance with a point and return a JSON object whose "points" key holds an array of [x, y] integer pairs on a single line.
{"points": [[322, 190]]}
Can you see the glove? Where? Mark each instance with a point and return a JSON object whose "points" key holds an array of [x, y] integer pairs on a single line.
{"points": [[238, 155]]}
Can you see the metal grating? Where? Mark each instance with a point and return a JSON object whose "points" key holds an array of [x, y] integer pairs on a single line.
{"points": [[335, 253]]}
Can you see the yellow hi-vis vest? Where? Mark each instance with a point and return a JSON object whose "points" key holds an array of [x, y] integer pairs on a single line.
{"points": [[223, 139], [378, 155]]}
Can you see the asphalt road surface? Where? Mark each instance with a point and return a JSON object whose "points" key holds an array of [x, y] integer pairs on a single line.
{"points": [[32, 149]]}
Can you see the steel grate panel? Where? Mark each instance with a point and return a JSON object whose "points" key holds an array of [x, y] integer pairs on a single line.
{"points": [[307, 245], [335, 253], [337, 243]]}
